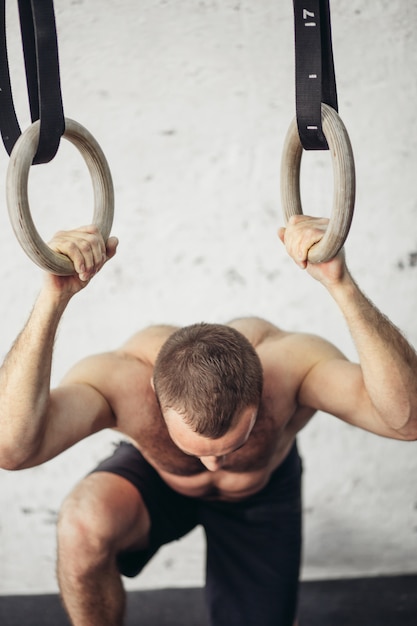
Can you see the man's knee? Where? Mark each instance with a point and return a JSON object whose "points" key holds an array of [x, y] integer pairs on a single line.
{"points": [[83, 542], [102, 516]]}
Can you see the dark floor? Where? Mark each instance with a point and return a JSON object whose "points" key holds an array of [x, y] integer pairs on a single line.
{"points": [[385, 601]]}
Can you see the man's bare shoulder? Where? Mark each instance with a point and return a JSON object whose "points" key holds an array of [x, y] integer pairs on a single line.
{"points": [[146, 343], [296, 353], [136, 355], [257, 330], [278, 348]]}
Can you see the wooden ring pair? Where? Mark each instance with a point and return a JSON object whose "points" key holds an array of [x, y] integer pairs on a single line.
{"points": [[344, 183], [17, 194]]}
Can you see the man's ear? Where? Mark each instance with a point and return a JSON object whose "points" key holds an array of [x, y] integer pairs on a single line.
{"points": [[152, 384]]}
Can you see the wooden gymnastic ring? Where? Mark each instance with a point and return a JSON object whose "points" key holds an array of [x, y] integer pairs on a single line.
{"points": [[344, 183], [17, 194]]}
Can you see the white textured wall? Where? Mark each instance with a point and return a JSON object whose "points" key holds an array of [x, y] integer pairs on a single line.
{"points": [[191, 101]]}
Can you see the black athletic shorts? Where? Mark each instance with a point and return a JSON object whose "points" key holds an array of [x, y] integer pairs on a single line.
{"points": [[253, 546]]}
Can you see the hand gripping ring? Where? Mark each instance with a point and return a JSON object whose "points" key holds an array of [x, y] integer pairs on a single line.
{"points": [[344, 183], [17, 194]]}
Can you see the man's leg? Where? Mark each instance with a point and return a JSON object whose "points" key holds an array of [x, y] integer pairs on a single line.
{"points": [[104, 515], [253, 553]]}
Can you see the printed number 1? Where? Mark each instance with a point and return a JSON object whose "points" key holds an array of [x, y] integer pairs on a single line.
{"points": [[307, 14]]}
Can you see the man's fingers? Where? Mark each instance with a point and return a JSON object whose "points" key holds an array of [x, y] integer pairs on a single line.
{"points": [[85, 247], [300, 234]]}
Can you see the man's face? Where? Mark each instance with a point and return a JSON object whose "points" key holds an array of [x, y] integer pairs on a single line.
{"points": [[211, 452]]}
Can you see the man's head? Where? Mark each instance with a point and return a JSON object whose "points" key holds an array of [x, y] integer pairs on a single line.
{"points": [[209, 374]]}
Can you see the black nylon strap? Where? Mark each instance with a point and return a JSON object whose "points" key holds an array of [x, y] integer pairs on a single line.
{"points": [[314, 70], [40, 46], [9, 126], [40, 49]]}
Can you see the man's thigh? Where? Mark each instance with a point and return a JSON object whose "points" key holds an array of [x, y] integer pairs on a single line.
{"points": [[171, 515]]}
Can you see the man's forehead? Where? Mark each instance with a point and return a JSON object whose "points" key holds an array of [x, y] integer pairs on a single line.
{"points": [[195, 444]]}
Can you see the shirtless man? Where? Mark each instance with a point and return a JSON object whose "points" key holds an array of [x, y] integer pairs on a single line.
{"points": [[212, 413]]}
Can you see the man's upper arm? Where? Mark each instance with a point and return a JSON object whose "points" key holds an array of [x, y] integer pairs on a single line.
{"points": [[336, 386], [77, 408]]}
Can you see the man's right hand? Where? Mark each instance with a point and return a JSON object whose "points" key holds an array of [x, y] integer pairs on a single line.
{"points": [[88, 252], [300, 234]]}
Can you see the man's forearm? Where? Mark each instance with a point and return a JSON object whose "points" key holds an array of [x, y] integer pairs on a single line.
{"points": [[25, 382], [389, 363]]}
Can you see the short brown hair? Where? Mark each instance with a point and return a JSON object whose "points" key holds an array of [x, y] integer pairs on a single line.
{"points": [[208, 373]]}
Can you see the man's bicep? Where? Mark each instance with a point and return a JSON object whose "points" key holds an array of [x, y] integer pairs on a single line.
{"points": [[336, 386], [333, 385], [75, 411]]}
